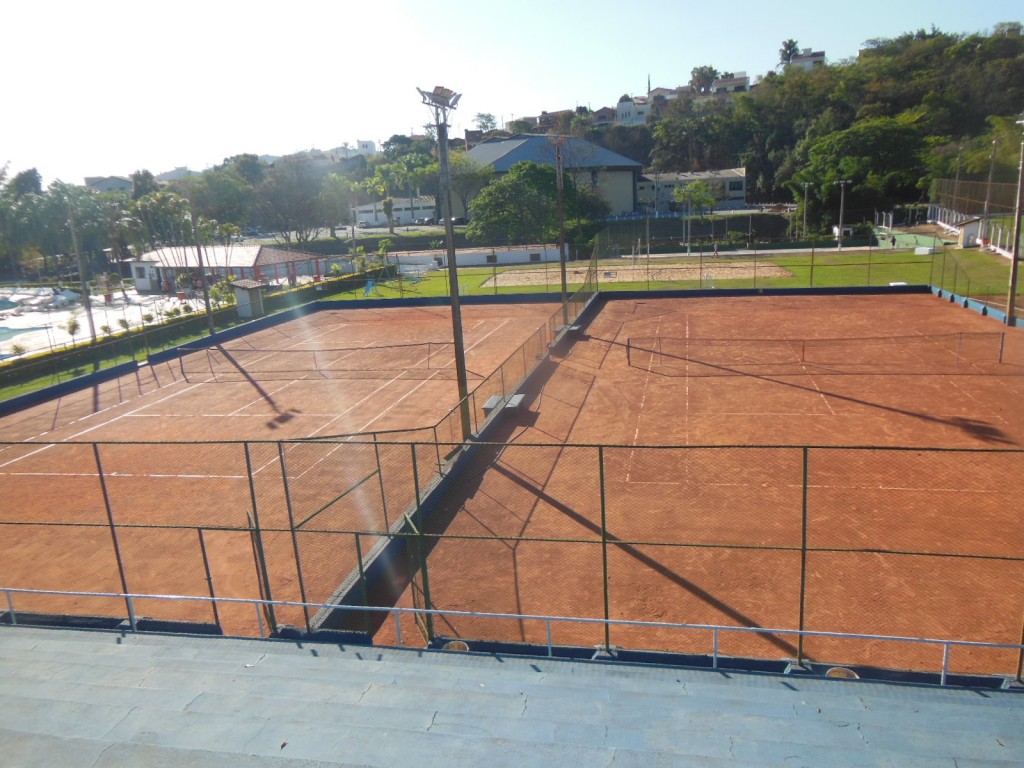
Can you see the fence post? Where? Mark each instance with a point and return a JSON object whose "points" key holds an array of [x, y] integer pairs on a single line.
{"points": [[362, 582], [261, 557], [113, 535], [380, 482], [803, 559], [428, 604], [604, 546], [294, 533], [209, 576]]}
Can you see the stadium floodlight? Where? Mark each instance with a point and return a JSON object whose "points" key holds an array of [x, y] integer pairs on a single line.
{"points": [[1011, 297], [441, 101]]}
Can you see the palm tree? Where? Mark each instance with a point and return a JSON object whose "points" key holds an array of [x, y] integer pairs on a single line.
{"points": [[788, 50]]}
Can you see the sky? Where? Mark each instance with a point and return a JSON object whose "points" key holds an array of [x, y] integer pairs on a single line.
{"points": [[109, 87]]}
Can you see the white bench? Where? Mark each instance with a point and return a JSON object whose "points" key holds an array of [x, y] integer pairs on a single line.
{"points": [[497, 401]]}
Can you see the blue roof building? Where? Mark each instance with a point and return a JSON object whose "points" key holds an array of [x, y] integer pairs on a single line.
{"points": [[610, 174]]}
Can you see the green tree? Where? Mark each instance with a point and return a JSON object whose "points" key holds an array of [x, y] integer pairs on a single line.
{"points": [[789, 49], [883, 159], [519, 126], [143, 183], [338, 199], [485, 121], [468, 177], [520, 207], [701, 78], [72, 326], [289, 200], [696, 196]]}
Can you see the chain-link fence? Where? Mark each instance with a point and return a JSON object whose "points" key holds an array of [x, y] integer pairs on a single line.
{"points": [[915, 543]]}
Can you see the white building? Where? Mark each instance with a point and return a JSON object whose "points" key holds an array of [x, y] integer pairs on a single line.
{"points": [[404, 211], [161, 270], [634, 111], [808, 59], [656, 192]]}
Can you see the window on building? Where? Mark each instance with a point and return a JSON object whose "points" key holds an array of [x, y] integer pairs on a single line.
{"points": [[735, 186], [140, 273], [492, 258], [534, 257]]}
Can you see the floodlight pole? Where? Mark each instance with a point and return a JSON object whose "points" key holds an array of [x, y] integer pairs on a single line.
{"points": [[1011, 297], [560, 171], [806, 185], [842, 205], [441, 101], [985, 235]]}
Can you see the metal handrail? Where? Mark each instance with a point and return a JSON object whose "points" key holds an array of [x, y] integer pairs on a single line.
{"points": [[397, 612]]}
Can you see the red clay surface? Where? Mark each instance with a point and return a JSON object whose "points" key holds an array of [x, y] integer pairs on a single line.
{"points": [[49, 474], [727, 503], [687, 529]]}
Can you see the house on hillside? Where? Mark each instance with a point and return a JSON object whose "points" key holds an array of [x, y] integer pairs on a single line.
{"points": [[109, 183], [733, 83], [609, 174], [166, 269], [602, 118], [656, 192], [633, 111], [808, 59]]}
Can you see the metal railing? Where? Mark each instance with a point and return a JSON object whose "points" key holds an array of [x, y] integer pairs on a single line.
{"points": [[395, 612]]}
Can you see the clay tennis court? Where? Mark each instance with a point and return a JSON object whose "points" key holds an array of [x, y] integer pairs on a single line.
{"points": [[160, 460], [682, 451], [714, 534]]}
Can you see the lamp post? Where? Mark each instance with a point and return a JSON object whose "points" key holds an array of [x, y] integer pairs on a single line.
{"points": [[441, 101], [988, 194], [560, 178], [806, 185], [1011, 297], [842, 204]]}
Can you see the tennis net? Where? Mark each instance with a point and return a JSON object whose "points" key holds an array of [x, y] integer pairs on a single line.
{"points": [[419, 360], [934, 352]]}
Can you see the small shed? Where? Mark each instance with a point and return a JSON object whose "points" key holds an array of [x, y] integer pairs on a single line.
{"points": [[248, 297], [968, 232]]}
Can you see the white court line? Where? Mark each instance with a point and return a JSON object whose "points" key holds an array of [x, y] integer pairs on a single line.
{"points": [[385, 411], [643, 401], [98, 426]]}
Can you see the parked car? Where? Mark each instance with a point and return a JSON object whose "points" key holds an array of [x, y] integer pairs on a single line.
{"points": [[426, 222], [363, 224]]}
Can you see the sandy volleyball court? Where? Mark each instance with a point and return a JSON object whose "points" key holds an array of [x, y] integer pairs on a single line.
{"points": [[638, 273]]}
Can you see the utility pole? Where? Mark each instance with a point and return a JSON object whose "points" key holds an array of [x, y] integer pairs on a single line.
{"points": [[441, 101]]}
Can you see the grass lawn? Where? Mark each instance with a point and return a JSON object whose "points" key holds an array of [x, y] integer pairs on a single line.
{"points": [[968, 272]]}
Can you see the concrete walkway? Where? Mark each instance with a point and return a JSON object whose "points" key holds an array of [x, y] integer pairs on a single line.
{"points": [[94, 699]]}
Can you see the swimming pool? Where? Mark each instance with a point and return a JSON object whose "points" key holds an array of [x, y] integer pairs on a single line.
{"points": [[9, 333]]}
